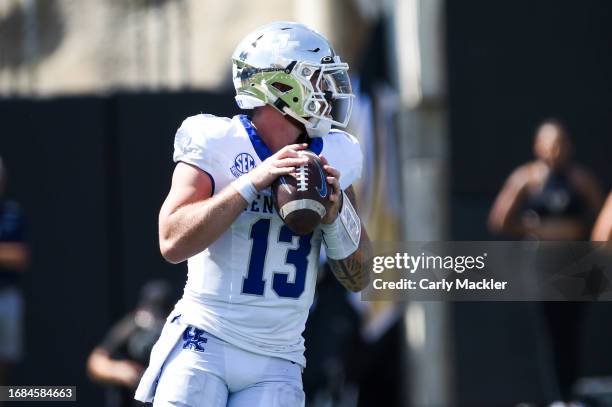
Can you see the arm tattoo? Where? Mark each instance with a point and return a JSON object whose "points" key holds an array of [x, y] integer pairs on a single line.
{"points": [[352, 272]]}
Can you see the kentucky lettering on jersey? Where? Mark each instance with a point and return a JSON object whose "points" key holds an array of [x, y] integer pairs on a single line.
{"points": [[253, 286], [261, 204]]}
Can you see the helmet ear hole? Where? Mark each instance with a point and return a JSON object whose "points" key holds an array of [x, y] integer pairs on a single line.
{"points": [[282, 87]]}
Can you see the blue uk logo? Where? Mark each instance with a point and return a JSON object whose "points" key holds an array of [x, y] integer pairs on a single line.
{"points": [[243, 163], [193, 338]]}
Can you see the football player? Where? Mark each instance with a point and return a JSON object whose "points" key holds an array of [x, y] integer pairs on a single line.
{"points": [[234, 339]]}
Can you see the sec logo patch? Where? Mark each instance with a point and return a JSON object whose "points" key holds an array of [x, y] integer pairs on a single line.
{"points": [[243, 163]]}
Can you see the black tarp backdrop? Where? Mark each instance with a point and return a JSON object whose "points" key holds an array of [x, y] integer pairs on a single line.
{"points": [[512, 64], [90, 174], [55, 154]]}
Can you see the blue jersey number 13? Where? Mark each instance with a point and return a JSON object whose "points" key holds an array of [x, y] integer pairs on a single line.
{"points": [[254, 283]]}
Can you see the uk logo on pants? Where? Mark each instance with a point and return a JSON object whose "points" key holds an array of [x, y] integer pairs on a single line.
{"points": [[193, 338]]}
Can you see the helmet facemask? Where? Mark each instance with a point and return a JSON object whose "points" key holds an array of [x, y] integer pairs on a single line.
{"points": [[328, 95]]}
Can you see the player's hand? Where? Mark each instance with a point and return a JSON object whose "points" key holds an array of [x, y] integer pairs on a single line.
{"points": [[333, 177], [282, 162]]}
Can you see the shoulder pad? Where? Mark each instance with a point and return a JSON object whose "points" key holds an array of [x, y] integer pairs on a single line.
{"points": [[198, 138]]}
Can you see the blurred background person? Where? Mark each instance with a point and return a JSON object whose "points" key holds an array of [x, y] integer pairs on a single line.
{"points": [[14, 258], [550, 198], [120, 359], [602, 231]]}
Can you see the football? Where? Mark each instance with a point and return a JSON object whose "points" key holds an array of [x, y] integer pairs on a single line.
{"points": [[302, 199]]}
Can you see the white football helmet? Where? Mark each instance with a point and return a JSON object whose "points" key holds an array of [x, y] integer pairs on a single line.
{"points": [[293, 68]]}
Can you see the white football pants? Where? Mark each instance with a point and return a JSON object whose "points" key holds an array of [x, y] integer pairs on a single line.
{"points": [[205, 371]]}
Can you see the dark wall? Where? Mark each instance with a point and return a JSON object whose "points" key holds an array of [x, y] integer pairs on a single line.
{"points": [[55, 154], [90, 174], [512, 64]]}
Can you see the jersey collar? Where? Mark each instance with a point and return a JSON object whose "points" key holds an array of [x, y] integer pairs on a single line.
{"points": [[262, 150], [259, 146], [316, 145]]}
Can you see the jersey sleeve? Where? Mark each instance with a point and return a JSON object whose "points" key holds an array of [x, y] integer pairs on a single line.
{"points": [[343, 152], [197, 140]]}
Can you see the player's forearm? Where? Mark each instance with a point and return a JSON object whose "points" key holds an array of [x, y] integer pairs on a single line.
{"points": [[352, 271], [192, 228]]}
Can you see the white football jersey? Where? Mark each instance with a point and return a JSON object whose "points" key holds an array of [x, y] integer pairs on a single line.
{"points": [[254, 285]]}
